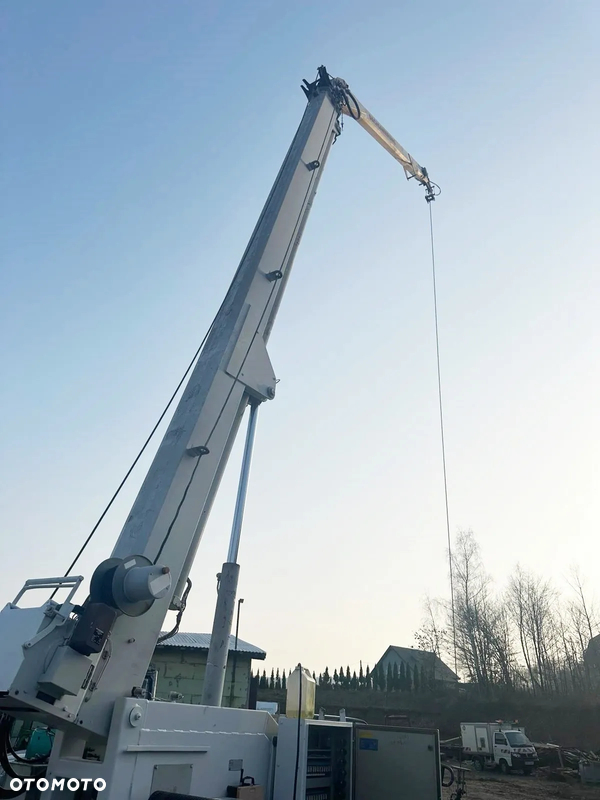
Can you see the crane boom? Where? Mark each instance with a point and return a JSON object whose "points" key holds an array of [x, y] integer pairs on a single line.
{"points": [[146, 574], [367, 121]]}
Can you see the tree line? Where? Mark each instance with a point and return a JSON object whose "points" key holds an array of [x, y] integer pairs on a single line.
{"points": [[392, 679], [525, 636]]}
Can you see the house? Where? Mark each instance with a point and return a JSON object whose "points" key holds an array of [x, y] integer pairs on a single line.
{"points": [[421, 660], [591, 655], [180, 664]]}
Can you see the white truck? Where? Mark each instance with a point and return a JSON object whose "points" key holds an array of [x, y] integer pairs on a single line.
{"points": [[500, 744]]}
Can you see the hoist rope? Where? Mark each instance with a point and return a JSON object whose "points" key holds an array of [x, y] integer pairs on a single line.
{"points": [[443, 439]]}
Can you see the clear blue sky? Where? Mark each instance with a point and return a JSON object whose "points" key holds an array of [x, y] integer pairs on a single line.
{"points": [[139, 142]]}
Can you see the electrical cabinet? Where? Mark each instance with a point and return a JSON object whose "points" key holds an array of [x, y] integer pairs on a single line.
{"points": [[402, 762], [314, 760], [322, 760]]}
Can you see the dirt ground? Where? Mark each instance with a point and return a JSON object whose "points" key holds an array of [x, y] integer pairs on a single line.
{"points": [[494, 786]]}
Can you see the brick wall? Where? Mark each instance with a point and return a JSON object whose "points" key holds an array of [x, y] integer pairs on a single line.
{"points": [[182, 670]]}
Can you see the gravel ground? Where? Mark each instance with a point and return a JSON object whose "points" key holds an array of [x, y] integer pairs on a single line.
{"points": [[493, 786]]}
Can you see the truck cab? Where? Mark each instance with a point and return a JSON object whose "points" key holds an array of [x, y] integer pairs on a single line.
{"points": [[514, 750], [496, 744]]}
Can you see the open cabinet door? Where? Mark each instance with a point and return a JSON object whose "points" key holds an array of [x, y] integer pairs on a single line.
{"points": [[396, 764]]}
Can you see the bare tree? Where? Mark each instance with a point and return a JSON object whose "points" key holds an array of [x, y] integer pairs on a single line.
{"points": [[532, 602], [585, 608], [528, 637], [499, 633], [517, 594], [572, 672], [432, 636], [483, 636], [583, 618]]}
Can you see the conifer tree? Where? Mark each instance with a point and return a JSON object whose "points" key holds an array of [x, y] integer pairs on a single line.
{"points": [[368, 678], [354, 681], [395, 677], [272, 681], [361, 677], [389, 676], [416, 686], [402, 677], [326, 678], [263, 683], [283, 681], [277, 680]]}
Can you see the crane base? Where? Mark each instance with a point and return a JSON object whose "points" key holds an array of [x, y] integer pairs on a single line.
{"points": [[166, 747]]}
